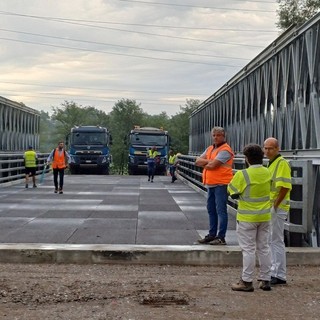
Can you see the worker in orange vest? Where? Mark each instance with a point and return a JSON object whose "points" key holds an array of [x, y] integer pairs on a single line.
{"points": [[60, 159], [216, 161]]}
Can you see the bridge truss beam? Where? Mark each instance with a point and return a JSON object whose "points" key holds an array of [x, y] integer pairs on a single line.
{"points": [[19, 126], [276, 94]]}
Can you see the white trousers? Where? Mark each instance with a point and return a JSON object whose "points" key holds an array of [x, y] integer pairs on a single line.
{"points": [[254, 238], [277, 246]]}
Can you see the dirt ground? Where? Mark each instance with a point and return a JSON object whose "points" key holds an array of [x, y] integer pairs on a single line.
{"points": [[140, 292]]}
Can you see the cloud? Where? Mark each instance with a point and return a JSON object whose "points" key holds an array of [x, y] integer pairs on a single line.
{"points": [[156, 52]]}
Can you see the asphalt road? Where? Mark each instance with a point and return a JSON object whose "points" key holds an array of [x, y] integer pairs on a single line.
{"points": [[97, 209]]}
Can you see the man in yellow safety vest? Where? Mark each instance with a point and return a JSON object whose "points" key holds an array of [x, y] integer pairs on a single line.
{"points": [[30, 164], [280, 198], [172, 165], [152, 159]]}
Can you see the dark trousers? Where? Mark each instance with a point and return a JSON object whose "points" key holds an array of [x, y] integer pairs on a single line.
{"points": [[57, 172], [172, 170], [151, 169]]}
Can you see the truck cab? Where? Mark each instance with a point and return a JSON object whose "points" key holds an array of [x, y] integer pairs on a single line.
{"points": [[141, 140], [89, 149]]}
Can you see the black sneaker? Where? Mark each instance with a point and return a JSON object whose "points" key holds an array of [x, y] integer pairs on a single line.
{"points": [[265, 285], [60, 191], [275, 281], [207, 239], [218, 242], [27, 186], [35, 186], [55, 190]]}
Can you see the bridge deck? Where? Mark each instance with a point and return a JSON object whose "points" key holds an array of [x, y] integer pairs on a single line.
{"points": [[122, 219], [105, 210]]}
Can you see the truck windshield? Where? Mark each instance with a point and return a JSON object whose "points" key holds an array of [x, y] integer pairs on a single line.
{"points": [[88, 138], [148, 140]]}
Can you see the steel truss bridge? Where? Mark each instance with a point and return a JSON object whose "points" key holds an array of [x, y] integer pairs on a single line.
{"points": [[275, 95], [19, 126]]}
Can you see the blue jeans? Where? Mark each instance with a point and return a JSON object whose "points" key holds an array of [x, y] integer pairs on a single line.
{"points": [[217, 210], [151, 169], [172, 170]]}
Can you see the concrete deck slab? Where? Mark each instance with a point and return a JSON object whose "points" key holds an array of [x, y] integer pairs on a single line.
{"points": [[108, 219]]}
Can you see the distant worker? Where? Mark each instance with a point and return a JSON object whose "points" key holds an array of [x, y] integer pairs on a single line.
{"points": [[173, 159], [152, 159], [251, 187], [60, 159], [280, 199], [216, 161], [30, 164]]}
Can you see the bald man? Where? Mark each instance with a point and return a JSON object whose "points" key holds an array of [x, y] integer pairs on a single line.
{"points": [[280, 199]]}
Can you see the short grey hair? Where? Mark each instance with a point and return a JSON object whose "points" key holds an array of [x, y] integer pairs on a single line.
{"points": [[218, 129]]}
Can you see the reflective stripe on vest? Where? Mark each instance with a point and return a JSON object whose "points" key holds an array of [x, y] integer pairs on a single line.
{"points": [[223, 173], [59, 159], [246, 196], [285, 203], [172, 159], [30, 159], [153, 154], [253, 187]]}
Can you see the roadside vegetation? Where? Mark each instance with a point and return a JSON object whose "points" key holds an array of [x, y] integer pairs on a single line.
{"points": [[124, 116]]}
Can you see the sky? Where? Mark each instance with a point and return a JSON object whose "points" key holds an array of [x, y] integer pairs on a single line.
{"points": [[157, 52]]}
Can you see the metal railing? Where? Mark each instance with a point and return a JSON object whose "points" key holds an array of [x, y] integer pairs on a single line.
{"points": [[302, 226], [12, 166]]}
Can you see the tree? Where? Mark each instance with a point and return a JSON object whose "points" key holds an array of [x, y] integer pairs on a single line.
{"points": [[71, 115], [124, 116], [295, 12], [157, 121], [179, 126], [47, 129]]}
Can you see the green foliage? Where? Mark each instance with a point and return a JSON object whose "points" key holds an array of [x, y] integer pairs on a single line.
{"points": [[157, 121], [296, 12], [124, 116], [71, 115], [179, 127], [47, 128]]}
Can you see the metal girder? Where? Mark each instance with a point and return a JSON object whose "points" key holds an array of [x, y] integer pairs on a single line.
{"points": [[277, 94], [19, 126]]}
